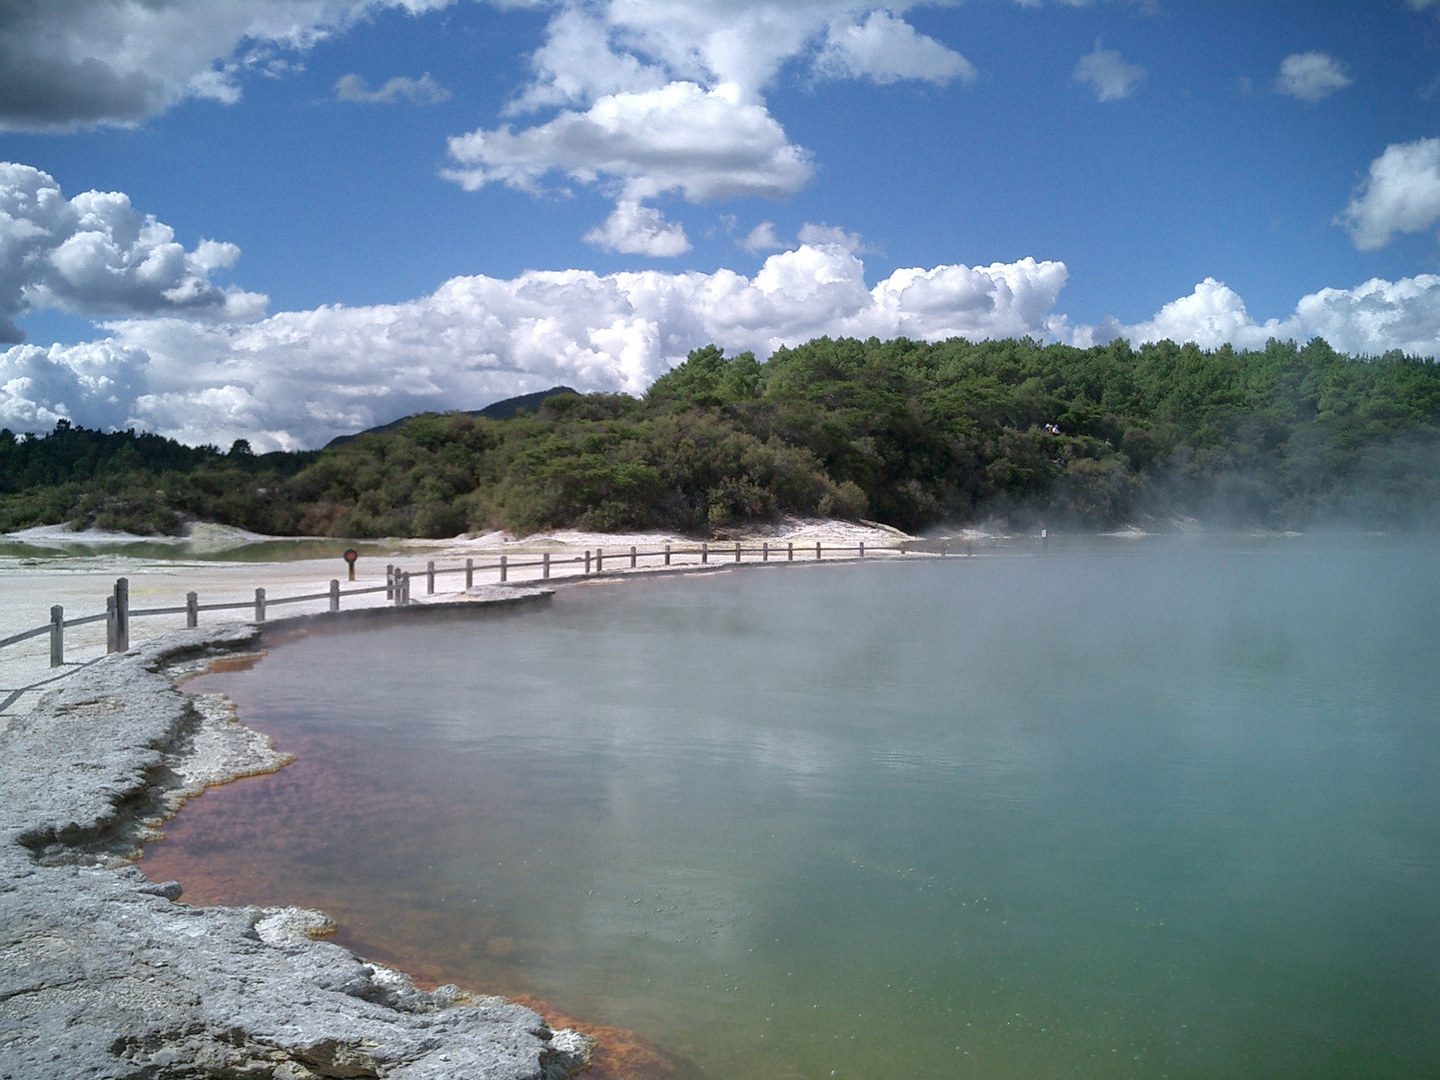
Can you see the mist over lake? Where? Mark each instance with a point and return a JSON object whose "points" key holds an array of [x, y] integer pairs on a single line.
{"points": [[1123, 809]]}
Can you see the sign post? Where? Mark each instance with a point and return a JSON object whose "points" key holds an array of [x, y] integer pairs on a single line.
{"points": [[350, 557]]}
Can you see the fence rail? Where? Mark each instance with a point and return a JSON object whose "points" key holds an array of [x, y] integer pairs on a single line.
{"points": [[118, 612]]}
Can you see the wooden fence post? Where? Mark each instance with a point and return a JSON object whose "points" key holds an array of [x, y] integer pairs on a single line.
{"points": [[790, 551], [469, 573], [57, 636], [545, 566], [587, 560], [765, 552], [504, 568], [192, 609], [737, 550], [599, 560], [259, 605], [334, 595], [390, 581], [404, 588], [122, 614], [817, 550], [110, 623], [704, 553], [430, 577], [667, 554], [632, 558], [862, 549]]}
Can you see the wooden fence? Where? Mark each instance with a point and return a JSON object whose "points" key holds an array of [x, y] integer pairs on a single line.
{"points": [[118, 612]]}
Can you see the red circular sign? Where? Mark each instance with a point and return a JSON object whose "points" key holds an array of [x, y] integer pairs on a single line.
{"points": [[351, 556]]}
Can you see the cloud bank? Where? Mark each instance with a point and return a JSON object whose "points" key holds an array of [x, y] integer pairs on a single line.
{"points": [[1376, 317], [95, 255], [297, 379]]}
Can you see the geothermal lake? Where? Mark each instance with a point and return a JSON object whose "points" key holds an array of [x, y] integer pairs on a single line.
{"points": [[1139, 809]]}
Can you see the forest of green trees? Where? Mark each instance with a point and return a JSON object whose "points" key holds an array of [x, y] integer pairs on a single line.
{"points": [[907, 433]]}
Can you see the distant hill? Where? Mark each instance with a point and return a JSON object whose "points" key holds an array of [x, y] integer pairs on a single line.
{"points": [[501, 410]]}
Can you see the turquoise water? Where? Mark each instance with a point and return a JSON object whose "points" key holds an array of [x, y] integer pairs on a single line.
{"points": [[1156, 810]]}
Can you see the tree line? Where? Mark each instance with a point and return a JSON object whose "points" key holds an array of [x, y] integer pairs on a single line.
{"points": [[908, 433]]}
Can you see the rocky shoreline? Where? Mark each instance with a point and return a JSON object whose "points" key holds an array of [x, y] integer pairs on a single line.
{"points": [[104, 974]]}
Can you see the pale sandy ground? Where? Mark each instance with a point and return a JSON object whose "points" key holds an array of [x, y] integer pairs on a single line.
{"points": [[43, 573]]}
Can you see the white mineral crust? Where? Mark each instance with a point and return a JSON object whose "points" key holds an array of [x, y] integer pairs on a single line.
{"points": [[104, 974]]}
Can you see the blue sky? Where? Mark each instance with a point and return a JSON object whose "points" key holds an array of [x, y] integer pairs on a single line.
{"points": [[374, 208]]}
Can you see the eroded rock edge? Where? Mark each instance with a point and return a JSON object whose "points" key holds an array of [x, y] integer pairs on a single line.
{"points": [[104, 974]]}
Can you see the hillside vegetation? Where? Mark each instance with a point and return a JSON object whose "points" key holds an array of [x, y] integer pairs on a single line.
{"points": [[903, 432]]}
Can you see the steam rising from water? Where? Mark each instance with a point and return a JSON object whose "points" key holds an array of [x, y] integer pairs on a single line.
{"points": [[1125, 810]]}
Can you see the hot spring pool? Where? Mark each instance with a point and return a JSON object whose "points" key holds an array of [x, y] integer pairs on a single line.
{"points": [[1167, 809]]}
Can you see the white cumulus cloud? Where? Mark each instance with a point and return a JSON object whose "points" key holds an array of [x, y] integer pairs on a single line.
{"points": [[1370, 319], [886, 49], [65, 63], [669, 95], [1106, 73], [1211, 316], [1401, 195], [98, 380], [707, 144], [761, 238], [296, 379], [1311, 76], [96, 255], [995, 301], [579, 62], [822, 234], [637, 229], [599, 47], [421, 91], [1377, 316], [299, 378]]}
